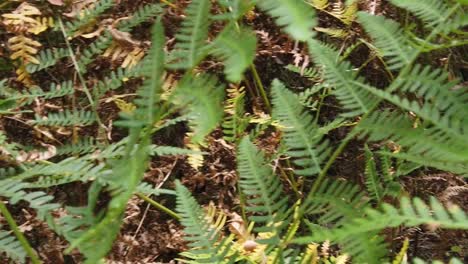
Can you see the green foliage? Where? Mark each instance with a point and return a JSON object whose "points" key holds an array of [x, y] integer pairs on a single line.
{"points": [[189, 49], [202, 98], [262, 188], [303, 141], [296, 17], [66, 118], [236, 47], [389, 38], [338, 74], [204, 239], [11, 246]]}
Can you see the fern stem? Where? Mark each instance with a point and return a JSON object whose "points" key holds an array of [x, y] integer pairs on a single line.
{"points": [[159, 206], [169, 3], [260, 87], [80, 76], [14, 227]]}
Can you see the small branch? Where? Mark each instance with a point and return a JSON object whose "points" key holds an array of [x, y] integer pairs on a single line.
{"points": [[23, 241]]}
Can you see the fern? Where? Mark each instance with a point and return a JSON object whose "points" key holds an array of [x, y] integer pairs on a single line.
{"points": [[433, 12], [47, 58], [88, 16], [234, 122], [237, 49], [11, 247], [55, 91], [355, 100], [189, 49], [205, 245], [201, 98], [82, 146], [297, 17], [411, 213], [389, 38], [336, 202], [66, 118], [263, 187], [301, 136]]}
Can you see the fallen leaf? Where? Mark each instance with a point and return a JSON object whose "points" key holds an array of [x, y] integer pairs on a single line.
{"points": [[56, 2]]}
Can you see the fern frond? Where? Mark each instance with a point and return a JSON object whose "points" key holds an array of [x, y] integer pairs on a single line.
{"points": [[84, 145], [410, 213], [301, 136], [431, 143], [204, 240], [433, 12], [10, 246], [336, 202], [55, 91], [373, 183], [234, 122], [237, 49], [38, 200], [320, 4], [189, 49], [24, 48], [66, 118], [448, 124], [263, 187], [143, 14], [115, 79], [88, 16], [202, 99], [346, 14], [338, 74], [389, 38], [297, 17], [47, 58]]}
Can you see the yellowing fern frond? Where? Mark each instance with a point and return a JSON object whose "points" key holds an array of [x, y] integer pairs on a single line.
{"points": [[22, 19], [124, 106], [130, 56], [43, 23], [24, 48], [333, 32], [319, 4], [346, 14]]}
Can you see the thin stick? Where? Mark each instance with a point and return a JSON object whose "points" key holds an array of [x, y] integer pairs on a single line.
{"points": [[23, 241], [159, 206]]}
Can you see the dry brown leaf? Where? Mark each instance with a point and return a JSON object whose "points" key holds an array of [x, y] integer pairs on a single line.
{"points": [[123, 38], [36, 155], [56, 2]]}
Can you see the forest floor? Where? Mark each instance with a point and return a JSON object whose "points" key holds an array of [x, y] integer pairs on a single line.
{"points": [[151, 236]]}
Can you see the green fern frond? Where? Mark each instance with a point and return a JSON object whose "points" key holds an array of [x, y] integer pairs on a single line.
{"points": [[335, 202], [88, 16], [84, 145], [237, 9], [433, 12], [373, 182], [431, 143], [171, 151], [389, 38], [434, 87], [55, 91], [410, 213], [297, 17], [66, 118], [93, 51], [143, 14], [189, 49], [205, 243], [452, 261], [338, 74], [10, 246], [47, 58], [201, 98], [263, 187], [117, 78], [446, 124], [38, 200], [236, 47], [301, 136]]}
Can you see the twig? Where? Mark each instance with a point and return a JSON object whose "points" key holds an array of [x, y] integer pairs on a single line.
{"points": [[23, 241]]}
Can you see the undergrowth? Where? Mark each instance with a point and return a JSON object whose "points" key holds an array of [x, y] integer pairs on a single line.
{"points": [[286, 216]]}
